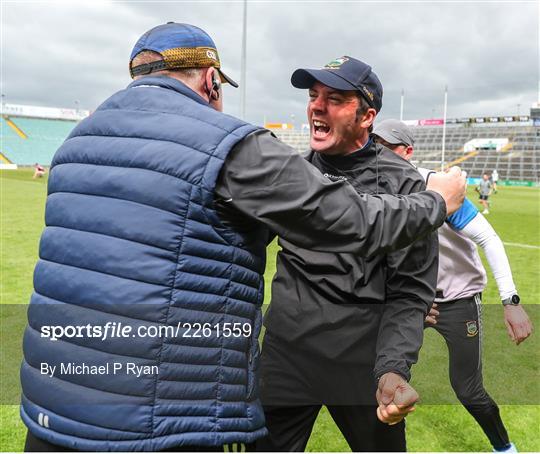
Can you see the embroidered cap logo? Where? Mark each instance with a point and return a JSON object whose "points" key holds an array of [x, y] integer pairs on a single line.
{"points": [[336, 63]]}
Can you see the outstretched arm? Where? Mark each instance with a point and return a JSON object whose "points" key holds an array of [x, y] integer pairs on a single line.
{"points": [[480, 231], [267, 181]]}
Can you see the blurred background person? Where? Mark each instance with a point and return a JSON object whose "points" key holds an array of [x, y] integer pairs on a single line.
{"points": [[484, 189], [39, 171], [495, 179]]}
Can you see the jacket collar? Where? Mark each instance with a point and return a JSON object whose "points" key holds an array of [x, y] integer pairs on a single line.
{"points": [[169, 83], [351, 160]]}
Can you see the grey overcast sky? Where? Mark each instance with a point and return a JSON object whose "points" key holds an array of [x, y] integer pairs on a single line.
{"points": [[54, 53]]}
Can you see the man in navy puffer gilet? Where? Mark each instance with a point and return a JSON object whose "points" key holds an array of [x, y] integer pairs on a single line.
{"points": [[132, 237]]}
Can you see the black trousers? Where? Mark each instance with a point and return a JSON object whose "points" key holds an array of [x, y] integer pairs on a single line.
{"points": [[460, 323], [296, 383], [35, 444], [290, 428]]}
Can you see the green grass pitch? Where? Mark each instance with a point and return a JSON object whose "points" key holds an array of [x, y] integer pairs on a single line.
{"points": [[439, 424]]}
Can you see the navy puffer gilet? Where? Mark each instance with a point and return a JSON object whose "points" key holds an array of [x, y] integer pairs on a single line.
{"points": [[132, 237]]}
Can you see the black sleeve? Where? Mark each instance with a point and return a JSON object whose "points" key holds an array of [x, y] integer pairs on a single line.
{"points": [[265, 180], [410, 290]]}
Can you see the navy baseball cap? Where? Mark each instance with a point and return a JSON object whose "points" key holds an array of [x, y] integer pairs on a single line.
{"points": [[344, 73], [181, 46]]}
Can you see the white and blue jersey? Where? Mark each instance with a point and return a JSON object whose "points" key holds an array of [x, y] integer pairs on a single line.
{"points": [[461, 272], [463, 216]]}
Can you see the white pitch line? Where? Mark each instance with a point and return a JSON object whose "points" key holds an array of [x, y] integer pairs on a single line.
{"points": [[524, 246]]}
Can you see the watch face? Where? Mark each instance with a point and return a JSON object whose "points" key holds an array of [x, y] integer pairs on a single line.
{"points": [[515, 299]]}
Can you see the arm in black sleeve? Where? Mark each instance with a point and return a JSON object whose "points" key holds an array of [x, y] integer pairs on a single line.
{"points": [[265, 180], [410, 290]]}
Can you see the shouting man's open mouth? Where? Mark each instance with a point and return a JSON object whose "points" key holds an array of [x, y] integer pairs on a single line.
{"points": [[320, 129]]}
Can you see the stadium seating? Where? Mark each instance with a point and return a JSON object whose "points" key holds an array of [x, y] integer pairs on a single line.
{"points": [[36, 139], [520, 160]]}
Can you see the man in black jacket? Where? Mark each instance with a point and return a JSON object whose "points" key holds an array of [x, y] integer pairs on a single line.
{"points": [[342, 330]]}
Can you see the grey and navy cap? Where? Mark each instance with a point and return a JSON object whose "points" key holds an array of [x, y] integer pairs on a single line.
{"points": [[344, 73], [394, 132], [181, 46]]}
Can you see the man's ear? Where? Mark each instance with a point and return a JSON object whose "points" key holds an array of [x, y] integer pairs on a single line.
{"points": [[208, 75], [213, 84], [212, 88], [409, 152], [368, 118]]}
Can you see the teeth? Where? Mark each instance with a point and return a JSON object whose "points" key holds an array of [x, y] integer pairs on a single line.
{"points": [[319, 123]]}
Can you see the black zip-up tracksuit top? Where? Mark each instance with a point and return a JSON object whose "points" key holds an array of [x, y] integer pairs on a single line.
{"points": [[348, 309]]}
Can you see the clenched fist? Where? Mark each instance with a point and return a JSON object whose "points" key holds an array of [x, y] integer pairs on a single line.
{"points": [[451, 185], [396, 398]]}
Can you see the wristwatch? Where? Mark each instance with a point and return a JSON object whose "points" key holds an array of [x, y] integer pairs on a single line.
{"points": [[512, 301]]}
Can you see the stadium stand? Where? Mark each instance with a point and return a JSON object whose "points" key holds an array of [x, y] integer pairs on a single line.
{"points": [[518, 160], [25, 141]]}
